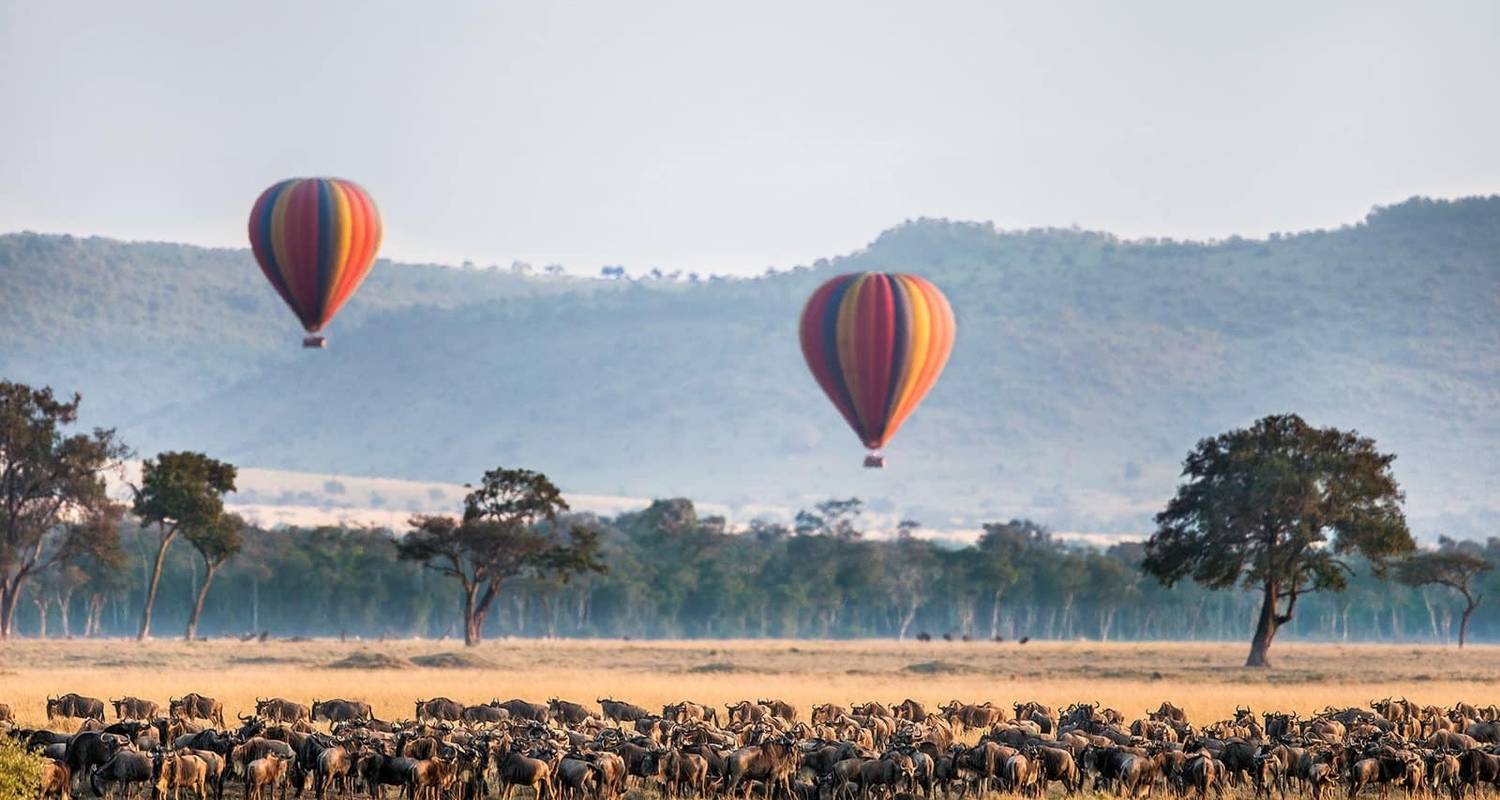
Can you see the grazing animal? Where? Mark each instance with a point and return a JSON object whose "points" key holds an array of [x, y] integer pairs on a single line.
{"points": [[75, 706]]}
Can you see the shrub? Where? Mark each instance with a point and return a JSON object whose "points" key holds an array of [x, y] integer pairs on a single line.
{"points": [[20, 772]]}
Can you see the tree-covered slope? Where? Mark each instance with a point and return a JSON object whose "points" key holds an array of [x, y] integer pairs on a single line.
{"points": [[1084, 370]]}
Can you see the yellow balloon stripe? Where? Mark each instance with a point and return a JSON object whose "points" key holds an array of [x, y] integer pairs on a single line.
{"points": [[341, 234]]}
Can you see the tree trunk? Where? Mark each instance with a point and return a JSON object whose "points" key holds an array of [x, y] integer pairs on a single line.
{"points": [[208, 578], [10, 593], [167, 534], [1265, 630], [476, 608], [995, 614], [64, 604], [1470, 604], [41, 614]]}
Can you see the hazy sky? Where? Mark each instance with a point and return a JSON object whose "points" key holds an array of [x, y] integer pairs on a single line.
{"points": [[728, 137]]}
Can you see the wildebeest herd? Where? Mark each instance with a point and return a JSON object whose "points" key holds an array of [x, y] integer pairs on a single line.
{"points": [[561, 750]]}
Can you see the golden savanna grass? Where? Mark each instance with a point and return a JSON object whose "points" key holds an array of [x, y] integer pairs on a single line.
{"points": [[1206, 679]]}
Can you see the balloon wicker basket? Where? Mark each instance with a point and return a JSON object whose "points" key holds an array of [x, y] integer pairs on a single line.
{"points": [[314, 342], [874, 461]]}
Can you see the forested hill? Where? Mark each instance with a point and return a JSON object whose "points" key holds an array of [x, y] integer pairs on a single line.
{"points": [[1085, 366]]}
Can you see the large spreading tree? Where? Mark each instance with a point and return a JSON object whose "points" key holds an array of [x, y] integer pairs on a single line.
{"points": [[177, 491], [47, 477], [509, 529], [1279, 507]]}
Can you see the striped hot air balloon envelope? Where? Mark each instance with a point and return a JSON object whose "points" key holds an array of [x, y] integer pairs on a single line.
{"points": [[876, 343], [315, 239]]}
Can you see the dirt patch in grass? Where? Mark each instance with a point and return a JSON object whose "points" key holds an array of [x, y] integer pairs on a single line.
{"points": [[452, 661], [366, 659], [714, 667], [939, 668]]}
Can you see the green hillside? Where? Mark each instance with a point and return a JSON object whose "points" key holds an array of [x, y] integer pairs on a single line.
{"points": [[1085, 366]]}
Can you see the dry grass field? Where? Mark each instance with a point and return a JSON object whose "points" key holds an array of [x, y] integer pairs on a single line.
{"points": [[1205, 678]]}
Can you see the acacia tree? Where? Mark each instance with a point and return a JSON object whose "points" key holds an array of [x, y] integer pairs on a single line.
{"points": [[95, 549], [177, 490], [1277, 507], [1452, 568], [46, 477], [216, 541], [509, 528]]}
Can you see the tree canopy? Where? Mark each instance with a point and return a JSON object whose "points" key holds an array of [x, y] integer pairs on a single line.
{"points": [[46, 476], [1281, 506], [508, 529], [1452, 567], [179, 490]]}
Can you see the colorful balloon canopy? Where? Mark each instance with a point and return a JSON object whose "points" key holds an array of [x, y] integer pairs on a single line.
{"points": [[876, 342], [315, 239]]}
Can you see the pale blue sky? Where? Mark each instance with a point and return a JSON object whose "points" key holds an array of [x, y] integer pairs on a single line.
{"points": [[728, 137]]}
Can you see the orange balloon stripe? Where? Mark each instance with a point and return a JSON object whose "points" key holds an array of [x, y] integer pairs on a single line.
{"points": [[919, 340]]}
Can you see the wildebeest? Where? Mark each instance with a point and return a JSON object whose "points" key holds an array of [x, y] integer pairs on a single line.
{"points": [[87, 751], [183, 770], [619, 711], [134, 708], [379, 770], [278, 709], [485, 714], [125, 769], [521, 709], [771, 762], [517, 769], [75, 706], [340, 710], [57, 780], [196, 706], [267, 772], [439, 709], [567, 713], [688, 711], [683, 774]]}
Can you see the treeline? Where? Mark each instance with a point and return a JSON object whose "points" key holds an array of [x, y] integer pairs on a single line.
{"points": [[671, 573]]}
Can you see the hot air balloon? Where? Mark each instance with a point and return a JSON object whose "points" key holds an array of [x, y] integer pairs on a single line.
{"points": [[876, 342], [315, 239]]}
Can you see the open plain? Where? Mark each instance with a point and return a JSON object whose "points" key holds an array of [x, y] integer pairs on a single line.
{"points": [[1206, 679]]}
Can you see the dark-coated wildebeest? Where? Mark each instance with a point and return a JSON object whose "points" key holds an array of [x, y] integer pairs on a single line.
{"points": [[75, 706], [521, 709], [340, 710], [566, 712], [87, 751], [279, 709], [439, 709], [485, 714], [196, 706], [520, 770], [378, 771], [126, 769], [619, 711], [135, 708]]}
